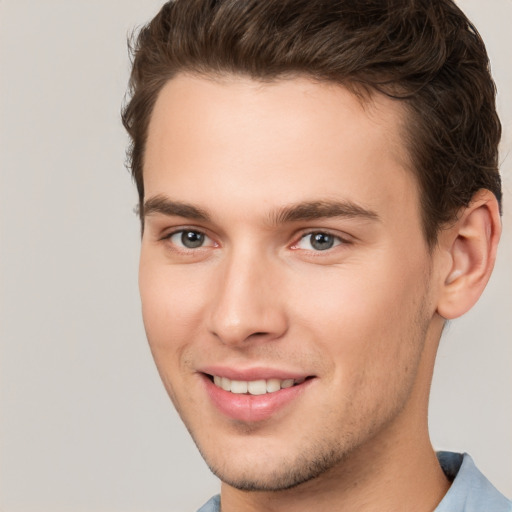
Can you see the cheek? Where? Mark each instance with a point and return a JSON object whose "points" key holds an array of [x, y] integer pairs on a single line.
{"points": [[172, 315], [374, 346], [171, 309], [370, 321]]}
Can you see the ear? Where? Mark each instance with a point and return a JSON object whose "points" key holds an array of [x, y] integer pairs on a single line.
{"points": [[470, 247]]}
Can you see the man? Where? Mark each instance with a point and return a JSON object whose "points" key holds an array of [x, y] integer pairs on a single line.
{"points": [[319, 194]]}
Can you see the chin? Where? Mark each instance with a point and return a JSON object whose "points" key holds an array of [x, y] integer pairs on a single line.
{"points": [[270, 470]]}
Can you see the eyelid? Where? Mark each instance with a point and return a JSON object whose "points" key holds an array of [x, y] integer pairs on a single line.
{"points": [[170, 231]]}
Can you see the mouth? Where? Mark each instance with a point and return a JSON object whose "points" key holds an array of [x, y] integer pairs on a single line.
{"points": [[257, 399], [254, 387]]}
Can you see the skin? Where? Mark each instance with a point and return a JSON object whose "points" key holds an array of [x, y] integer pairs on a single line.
{"points": [[361, 319]]}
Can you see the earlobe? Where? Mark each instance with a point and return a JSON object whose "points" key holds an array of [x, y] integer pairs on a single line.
{"points": [[471, 244]]}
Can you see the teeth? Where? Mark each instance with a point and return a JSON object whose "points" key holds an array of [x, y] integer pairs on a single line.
{"points": [[257, 387], [239, 386], [288, 383], [225, 384], [254, 387], [273, 385]]}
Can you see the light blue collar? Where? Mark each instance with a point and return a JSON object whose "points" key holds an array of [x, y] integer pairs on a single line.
{"points": [[470, 490]]}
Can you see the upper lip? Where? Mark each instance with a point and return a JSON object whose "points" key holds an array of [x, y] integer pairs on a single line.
{"points": [[255, 373]]}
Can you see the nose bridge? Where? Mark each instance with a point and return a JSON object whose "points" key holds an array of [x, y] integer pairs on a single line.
{"points": [[246, 304]]}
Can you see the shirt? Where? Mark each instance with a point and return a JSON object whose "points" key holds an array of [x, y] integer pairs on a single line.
{"points": [[470, 490]]}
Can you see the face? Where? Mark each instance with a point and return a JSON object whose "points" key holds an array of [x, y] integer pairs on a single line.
{"points": [[284, 277]]}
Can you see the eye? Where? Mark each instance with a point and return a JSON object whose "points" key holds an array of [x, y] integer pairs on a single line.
{"points": [[318, 241], [189, 239]]}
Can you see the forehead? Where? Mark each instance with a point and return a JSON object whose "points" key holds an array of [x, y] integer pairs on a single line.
{"points": [[293, 138]]}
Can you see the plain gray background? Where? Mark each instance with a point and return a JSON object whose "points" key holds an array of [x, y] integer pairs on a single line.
{"points": [[85, 423]]}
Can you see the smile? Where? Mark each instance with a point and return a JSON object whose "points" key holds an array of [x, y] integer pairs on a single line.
{"points": [[254, 387], [259, 397]]}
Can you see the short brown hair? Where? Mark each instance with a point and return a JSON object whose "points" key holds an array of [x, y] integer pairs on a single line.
{"points": [[425, 53]]}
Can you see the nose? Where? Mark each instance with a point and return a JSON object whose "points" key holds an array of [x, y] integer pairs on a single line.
{"points": [[246, 304]]}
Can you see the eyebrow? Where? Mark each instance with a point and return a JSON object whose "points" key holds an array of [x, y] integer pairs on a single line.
{"points": [[304, 211], [312, 210], [166, 206]]}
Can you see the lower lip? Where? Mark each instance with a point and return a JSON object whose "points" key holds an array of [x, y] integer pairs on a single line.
{"points": [[251, 408]]}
